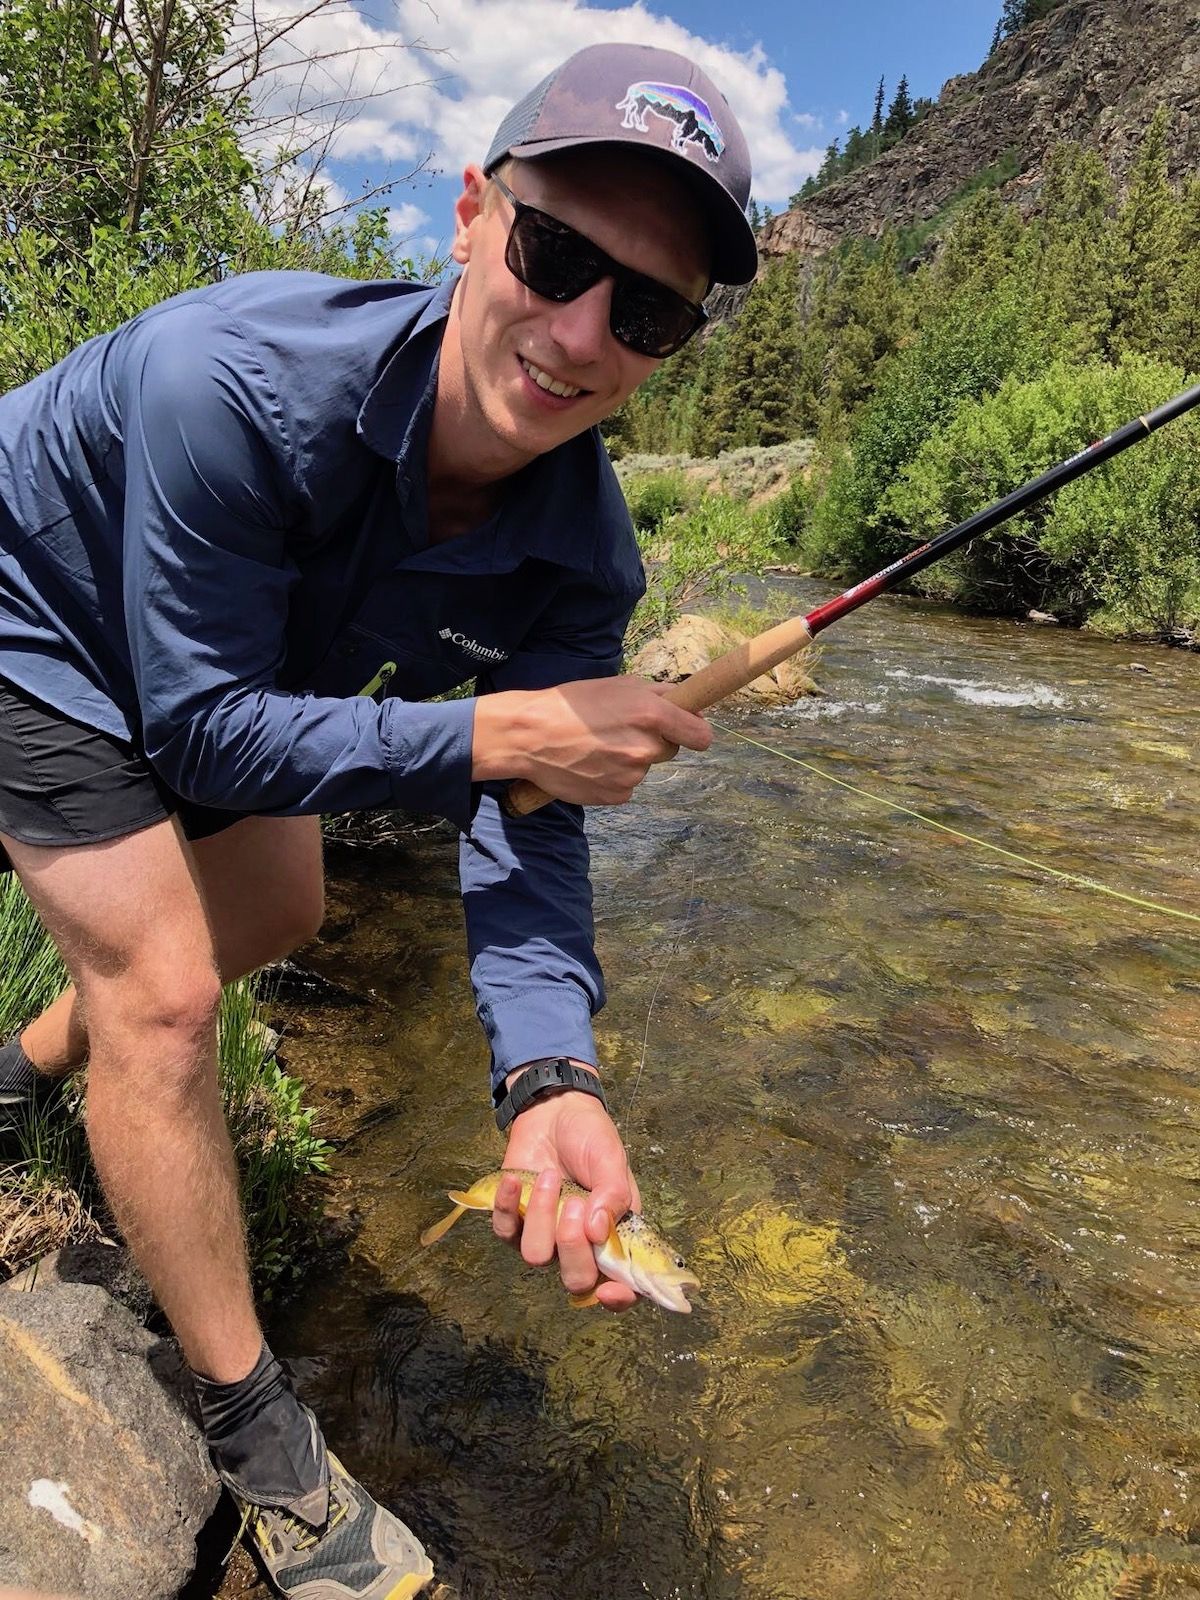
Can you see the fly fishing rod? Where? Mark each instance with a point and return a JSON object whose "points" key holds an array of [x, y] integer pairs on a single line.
{"points": [[741, 665]]}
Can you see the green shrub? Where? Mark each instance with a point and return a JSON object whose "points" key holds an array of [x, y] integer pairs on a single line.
{"points": [[699, 554], [968, 352], [1118, 546], [786, 517], [651, 497]]}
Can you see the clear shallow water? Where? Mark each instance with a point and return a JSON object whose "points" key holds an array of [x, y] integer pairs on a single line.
{"points": [[924, 1122]]}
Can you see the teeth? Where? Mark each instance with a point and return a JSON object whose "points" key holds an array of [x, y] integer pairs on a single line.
{"points": [[545, 381]]}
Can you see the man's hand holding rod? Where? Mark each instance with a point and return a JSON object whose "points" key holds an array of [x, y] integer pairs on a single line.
{"points": [[590, 742]]}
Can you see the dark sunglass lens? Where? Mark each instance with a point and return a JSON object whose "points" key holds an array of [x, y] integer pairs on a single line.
{"points": [[550, 258], [650, 318]]}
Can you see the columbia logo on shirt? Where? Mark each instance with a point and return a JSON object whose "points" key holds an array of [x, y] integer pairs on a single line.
{"points": [[472, 647]]}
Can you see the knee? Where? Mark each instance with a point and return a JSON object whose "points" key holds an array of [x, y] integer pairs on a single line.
{"points": [[158, 1015]]}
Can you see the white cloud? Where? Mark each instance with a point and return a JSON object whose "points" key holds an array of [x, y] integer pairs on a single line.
{"points": [[404, 220], [439, 80]]}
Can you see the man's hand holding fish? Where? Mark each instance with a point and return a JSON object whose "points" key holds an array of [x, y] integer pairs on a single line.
{"points": [[567, 1134]]}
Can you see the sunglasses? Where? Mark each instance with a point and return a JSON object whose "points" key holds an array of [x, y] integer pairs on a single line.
{"points": [[560, 264]]}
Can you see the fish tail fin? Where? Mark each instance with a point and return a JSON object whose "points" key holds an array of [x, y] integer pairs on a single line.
{"points": [[432, 1235]]}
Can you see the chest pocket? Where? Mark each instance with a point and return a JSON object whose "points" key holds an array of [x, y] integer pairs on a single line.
{"points": [[419, 634]]}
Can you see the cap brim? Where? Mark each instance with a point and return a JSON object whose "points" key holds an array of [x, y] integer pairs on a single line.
{"points": [[734, 249]]}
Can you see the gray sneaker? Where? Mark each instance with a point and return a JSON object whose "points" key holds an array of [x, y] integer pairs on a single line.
{"points": [[361, 1551]]}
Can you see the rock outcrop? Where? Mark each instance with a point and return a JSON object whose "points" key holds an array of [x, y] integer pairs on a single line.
{"points": [[1092, 72], [106, 1482]]}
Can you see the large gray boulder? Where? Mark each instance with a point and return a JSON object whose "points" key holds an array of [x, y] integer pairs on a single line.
{"points": [[106, 1482]]}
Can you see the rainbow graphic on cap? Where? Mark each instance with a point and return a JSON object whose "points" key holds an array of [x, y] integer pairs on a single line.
{"points": [[693, 120]]}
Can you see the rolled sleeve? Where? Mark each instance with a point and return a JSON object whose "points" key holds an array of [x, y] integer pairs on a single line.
{"points": [[209, 501]]}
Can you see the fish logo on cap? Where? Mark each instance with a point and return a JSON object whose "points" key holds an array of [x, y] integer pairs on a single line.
{"points": [[694, 123]]}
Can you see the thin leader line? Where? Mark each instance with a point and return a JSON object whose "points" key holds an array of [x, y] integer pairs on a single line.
{"points": [[1073, 878]]}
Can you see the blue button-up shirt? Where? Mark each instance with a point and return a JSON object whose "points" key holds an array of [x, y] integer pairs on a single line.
{"points": [[213, 539]]}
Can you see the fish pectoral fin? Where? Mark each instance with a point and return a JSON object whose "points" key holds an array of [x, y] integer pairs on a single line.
{"points": [[614, 1244], [432, 1235], [580, 1302]]}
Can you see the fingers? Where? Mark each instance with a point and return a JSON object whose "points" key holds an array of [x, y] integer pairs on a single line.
{"points": [[544, 1233], [506, 1211], [681, 727]]}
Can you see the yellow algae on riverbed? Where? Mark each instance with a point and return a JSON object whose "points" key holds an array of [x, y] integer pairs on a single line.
{"points": [[786, 1010], [777, 1259]]}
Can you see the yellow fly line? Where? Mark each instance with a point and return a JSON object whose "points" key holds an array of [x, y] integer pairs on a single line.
{"points": [[968, 838]]}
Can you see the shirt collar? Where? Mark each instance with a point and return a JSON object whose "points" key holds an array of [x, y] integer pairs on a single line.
{"points": [[555, 508]]}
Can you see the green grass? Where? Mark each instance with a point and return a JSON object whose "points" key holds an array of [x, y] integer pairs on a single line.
{"points": [[49, 1195]]}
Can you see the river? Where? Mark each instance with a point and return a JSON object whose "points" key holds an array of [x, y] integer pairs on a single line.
{"points": [[923, 1120]]}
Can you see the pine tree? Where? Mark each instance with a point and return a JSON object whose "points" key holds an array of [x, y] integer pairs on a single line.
{"points": [[1147, 244], [877, 119], [1181, 341], [1068, 253], [755, 215], [755, 397], [900, 114]]}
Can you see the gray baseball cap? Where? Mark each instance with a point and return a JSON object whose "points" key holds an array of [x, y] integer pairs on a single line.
{"points": [[649, 99]]}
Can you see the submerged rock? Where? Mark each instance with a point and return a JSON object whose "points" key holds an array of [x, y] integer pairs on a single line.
{"points": [[106, 1481], [692, 641]]}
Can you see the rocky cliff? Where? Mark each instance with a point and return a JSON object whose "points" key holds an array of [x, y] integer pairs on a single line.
{"points": [[1093, 72]]}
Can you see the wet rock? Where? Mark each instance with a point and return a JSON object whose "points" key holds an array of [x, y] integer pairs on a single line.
{"points": [[692, 642], [106, 1484], [89, 1261], [1139, 666], [291, 984]]}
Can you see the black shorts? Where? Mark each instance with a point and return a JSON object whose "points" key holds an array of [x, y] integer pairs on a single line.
{"points": [[62, 783]]}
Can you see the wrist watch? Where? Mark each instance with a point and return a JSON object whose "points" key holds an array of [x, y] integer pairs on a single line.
{"points": [[545, 1077]]}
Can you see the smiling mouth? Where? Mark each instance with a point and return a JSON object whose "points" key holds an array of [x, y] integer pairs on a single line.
{"points": [[564, 391]]}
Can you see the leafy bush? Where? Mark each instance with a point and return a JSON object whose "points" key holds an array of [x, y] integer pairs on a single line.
{"points": [[653, 496], [787, 515], [697, 554], [1118, 546], [979, 341]]}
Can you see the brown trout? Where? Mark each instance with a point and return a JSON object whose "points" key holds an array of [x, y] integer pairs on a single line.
{"points": [[634, 1253]]}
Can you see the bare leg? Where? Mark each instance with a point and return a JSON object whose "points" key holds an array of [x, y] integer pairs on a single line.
{"points": [[133, 928], [261, 883]]}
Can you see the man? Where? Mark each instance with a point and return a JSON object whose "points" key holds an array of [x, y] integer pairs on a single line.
{"points": [[233, 534]]}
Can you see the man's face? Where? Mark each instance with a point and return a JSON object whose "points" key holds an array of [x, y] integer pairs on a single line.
{"points": [[635, 210]]}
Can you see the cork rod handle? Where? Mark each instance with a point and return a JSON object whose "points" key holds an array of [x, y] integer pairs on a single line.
{"points": [[713, 683]]}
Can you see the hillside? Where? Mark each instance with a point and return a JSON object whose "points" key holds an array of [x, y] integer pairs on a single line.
{"points": [[1092, 72]]}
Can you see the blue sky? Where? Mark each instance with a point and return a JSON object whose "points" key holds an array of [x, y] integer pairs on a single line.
{"points": [[796, 73]]}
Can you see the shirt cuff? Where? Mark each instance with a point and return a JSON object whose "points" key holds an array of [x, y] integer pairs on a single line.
{"points": [[547, 1021], [429, 757]]}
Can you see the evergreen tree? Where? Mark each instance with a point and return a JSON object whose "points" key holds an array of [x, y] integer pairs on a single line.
{"points": [[755, 215], [1181, 336], [755, 396], [877, 119], [1147, 246], [900, 115], [1018, 14], [1068, 253], [831, 166]]}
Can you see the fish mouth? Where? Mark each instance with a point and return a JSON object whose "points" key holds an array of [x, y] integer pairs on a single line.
{"points": [[672, 1294]]}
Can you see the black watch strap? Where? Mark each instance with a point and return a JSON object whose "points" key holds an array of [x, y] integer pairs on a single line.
{"points": [[541, 1077]]}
